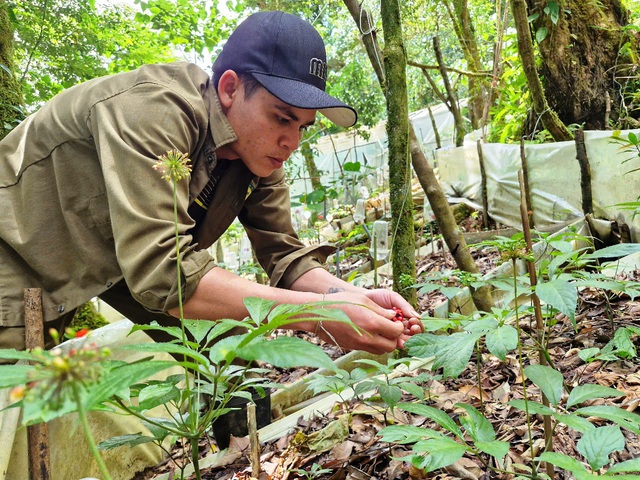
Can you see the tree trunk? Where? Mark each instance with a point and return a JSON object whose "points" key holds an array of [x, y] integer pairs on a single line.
{"points": [[557, 129], [11, 100], [444, 217], [452, 98], [395, 66], [312, 169], [466, 33], [586, 54]]}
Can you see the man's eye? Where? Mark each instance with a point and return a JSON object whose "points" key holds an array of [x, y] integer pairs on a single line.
{"points": [[283, 120], [304, 128]]}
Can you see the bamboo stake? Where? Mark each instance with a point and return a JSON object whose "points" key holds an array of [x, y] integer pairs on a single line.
{"points": [[37, 435]]}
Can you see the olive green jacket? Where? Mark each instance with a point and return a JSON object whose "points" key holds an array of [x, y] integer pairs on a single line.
{"points": [[81, 206]]}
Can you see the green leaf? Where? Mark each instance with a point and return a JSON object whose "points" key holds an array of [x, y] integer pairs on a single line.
{"points": [[440, 452], [437, 415], [632, 466], [121, 378], [258, 308], [628, 420], [553, 10], [615, 251], [597, 444], [549, 381], [574, 421], [159, 394], [495, 448], [531, 407], [502, 340], [390, 394], [452, 352], [623, 343], [590, 391], [13, 354], [413, 389], [588, 353], [131, 440], [199, 328], [351, 166], [405, 434], [287, 352], [541, 34], [172, 348], [14, 375], [561, 295], [476, 424], [564, 461]]}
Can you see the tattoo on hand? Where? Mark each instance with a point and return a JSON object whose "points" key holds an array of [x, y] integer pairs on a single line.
{"points": [[335, 290]]}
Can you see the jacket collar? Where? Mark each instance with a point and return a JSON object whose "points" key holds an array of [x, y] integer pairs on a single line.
{"points": [[220, 127]]}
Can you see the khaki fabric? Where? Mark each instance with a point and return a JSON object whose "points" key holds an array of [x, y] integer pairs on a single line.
{"points": [[82, 208]]}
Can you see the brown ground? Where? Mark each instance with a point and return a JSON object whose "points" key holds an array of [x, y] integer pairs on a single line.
{"points": [[363, 456]]}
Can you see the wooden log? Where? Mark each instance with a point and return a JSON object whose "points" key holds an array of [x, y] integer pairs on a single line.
{"points": [[585, 172]]}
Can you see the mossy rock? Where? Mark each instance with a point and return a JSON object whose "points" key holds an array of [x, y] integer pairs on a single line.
{"points": [[87, 316]]}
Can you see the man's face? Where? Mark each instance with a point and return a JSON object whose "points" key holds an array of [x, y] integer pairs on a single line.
{"points": [[268, 130]]}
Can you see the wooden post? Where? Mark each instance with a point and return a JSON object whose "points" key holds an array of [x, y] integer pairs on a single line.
{"points": [[37, 435], [483, 177], [585, 172], [254, 441], [525, 184]]}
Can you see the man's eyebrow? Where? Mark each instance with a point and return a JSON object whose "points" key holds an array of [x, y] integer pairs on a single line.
{"points": [[285, 109]]}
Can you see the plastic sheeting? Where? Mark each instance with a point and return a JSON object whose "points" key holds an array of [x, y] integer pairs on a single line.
{"points": [[554, 179]]}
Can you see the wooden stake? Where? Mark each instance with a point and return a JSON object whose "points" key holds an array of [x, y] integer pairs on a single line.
{"points": [[524, 185], [37, 435], [254, 441], [585, 172], [483, 177]]}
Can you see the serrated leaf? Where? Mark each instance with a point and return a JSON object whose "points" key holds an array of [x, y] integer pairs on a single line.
{"points": [[258, 308], [130, 440], [199, 328], [438, 416], [413, 389], [590, 391], [440, 452], [549, 381], [502, 340], [452, 352], [597, 444], [628, 420], [390, 394], [122, 377], [477, 426], [13, 375], [561, 295], [287, 352], [154, 395]]}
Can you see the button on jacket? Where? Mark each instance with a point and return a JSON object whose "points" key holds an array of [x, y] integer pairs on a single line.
{"points": [[81, 207]]}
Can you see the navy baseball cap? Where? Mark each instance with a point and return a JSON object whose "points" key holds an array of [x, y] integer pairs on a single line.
{"points": [[286, 55]]}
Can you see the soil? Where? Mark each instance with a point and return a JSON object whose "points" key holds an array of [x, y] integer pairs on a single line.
{"points": [[487, 383]]}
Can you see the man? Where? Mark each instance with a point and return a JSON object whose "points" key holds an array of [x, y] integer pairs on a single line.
{"points": [[84, 214]]}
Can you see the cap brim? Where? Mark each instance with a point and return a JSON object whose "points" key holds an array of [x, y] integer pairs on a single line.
{"points": [[302, 95]]}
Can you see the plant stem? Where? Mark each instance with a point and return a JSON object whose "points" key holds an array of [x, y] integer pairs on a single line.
{"points": [[87, 433], [195, 457]]}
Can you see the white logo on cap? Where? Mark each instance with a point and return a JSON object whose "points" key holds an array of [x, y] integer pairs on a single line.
{"points": [[318, 68]]}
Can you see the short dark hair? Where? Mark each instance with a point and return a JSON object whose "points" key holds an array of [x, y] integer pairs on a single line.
{"points": [[251, 85]]}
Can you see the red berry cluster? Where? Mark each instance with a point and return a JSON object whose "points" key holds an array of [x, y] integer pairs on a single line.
{"points": [[399, 315]]}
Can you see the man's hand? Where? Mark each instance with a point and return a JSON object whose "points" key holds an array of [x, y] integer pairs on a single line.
{"points": [[392, 300], [378, 332]]}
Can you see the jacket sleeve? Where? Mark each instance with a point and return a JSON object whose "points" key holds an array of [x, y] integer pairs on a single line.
{"points": [[130, 131], [266, 217]]}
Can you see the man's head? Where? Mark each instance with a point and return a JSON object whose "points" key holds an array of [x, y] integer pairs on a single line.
{"points": [[286, 55]]}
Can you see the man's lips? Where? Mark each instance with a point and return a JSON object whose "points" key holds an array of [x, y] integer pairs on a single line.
{"points": [[277, 162]]}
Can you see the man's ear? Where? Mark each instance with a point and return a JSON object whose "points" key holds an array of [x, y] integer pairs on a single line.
{"points": [[228, 88]]}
